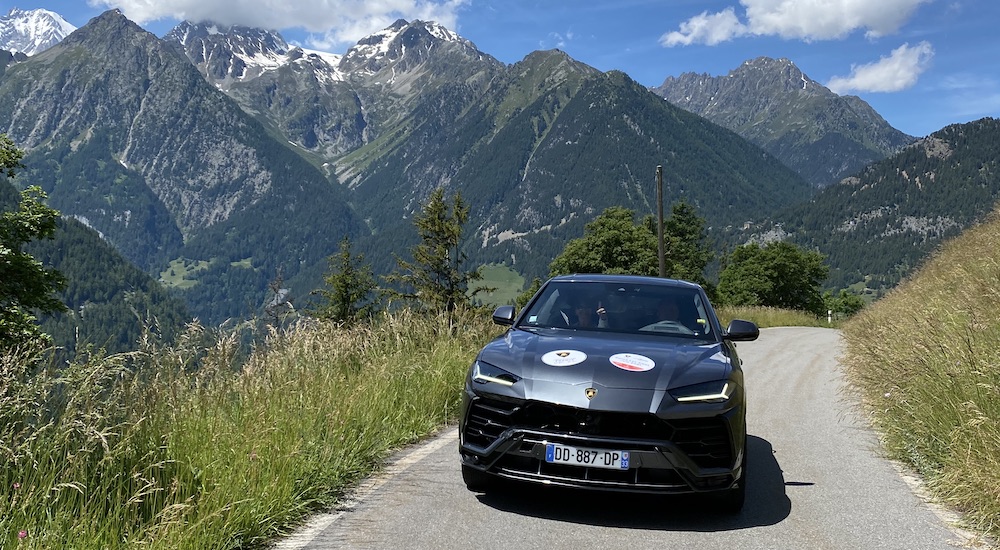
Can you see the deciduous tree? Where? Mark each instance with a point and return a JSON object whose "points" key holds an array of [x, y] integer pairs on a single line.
{"points": [[778, 274], [26, 286], [612, 243], [615, 243]]}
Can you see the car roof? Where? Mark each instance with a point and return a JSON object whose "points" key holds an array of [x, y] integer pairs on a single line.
{"points": [[625, 279]]}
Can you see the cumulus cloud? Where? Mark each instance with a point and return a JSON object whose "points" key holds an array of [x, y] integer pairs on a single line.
{"points": [[331, 22], [706, 28], [795, 19], [896, 72]]}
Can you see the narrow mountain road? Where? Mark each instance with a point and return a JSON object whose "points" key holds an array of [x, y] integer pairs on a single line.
{"points": [[816, 481]]}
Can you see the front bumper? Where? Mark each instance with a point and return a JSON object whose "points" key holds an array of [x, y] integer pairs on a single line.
{"points": [[507, 438]]}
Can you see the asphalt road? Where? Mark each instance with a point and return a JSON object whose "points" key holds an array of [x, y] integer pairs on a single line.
{"points": [[816, 481]]}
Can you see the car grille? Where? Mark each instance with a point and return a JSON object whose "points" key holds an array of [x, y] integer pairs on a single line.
{"points": [[704, 440]]}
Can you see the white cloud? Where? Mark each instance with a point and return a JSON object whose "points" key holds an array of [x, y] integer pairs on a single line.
{"points": [[331, 21], [796, 19], [899, 71], [706, 29], [557, 40]]}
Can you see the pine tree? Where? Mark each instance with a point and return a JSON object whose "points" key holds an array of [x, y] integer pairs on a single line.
{"points": [[350, 284], [436, 278]]}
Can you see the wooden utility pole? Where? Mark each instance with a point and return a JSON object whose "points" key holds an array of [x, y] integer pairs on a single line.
{"points": [[659, 215]]}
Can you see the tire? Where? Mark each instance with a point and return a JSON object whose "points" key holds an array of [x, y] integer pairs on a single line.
{"points": [[477, 481], [731, 502]]}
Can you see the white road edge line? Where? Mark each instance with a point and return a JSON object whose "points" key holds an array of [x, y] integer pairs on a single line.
{"points": [[307, 533]]}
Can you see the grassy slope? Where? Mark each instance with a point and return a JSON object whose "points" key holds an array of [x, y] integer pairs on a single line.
{"points": [[147, 450], [925, 359], [506, 282]]}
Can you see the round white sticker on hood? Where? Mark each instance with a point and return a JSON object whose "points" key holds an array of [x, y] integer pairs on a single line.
{"points": [[632, 362], [564, 358]]}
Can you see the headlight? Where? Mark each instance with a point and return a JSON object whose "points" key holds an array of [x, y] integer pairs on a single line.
{"points": [[709, 392], [485, 372]]}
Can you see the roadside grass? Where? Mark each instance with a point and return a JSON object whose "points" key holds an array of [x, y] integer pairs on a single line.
{"points": [[765, 317], [925, 360], [193, 446]]}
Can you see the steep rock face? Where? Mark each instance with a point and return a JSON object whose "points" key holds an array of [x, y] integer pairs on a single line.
{"points": [[822, 136], [161, 120], [159, 154], [9, 58], [227, 55], [331, 105]]}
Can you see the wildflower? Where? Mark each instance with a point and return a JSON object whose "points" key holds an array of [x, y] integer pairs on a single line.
{"points": [[17, 485], [22, 534]]}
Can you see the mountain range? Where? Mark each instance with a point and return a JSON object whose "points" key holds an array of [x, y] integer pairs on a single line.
{"points": [[218, 159]]}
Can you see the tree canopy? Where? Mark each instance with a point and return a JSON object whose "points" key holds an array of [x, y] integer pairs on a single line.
{"points": [[615, 243], [347, 297], [778, 274], [612, 243]]}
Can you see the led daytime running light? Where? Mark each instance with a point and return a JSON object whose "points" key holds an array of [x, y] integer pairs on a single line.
{"points": [[723, 395], [496, 375], [485, 378]]}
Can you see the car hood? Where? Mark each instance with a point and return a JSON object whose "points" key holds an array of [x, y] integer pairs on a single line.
{"points": [[634, 362]]}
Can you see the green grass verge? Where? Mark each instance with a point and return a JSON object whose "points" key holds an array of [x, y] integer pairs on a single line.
{"points": [[924, 358], [766, 317], [191, 447]]}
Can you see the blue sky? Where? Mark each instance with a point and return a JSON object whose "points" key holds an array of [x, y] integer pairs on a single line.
{"points": [[922, 64]]}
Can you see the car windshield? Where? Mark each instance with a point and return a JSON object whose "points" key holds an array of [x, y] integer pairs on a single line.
{"points": [[617, 307]]}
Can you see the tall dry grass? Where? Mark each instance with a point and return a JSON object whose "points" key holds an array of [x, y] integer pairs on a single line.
{"points": [[765, 317], [190, 446], [926, 359]]}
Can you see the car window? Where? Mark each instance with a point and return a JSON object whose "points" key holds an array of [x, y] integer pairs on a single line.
{"points": [[635, 308]]}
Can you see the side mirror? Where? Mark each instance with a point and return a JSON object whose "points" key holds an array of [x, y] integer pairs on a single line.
{"points": [[504, 315], [741, 331]]}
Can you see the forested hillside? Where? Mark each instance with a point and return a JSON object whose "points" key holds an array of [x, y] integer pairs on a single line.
{"points": [[877, 226], [535, 174], [126, 136], [110, 301]]}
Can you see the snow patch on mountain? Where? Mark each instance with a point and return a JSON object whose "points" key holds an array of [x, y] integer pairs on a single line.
{"points": [[32, 31]]}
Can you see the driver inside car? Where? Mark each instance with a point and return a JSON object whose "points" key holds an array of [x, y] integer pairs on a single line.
{"points": [[583, 314]]}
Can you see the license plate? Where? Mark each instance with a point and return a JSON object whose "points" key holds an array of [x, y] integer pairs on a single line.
{"points": [[594, 458]]}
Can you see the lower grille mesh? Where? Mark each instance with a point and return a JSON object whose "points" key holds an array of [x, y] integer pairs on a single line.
{"points": [[704, 440]]}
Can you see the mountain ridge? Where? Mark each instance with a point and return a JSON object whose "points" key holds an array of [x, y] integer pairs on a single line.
{"points": [[162, 152], [771, 102]]}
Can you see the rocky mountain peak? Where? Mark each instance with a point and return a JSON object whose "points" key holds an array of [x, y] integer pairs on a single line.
{"points": [[229, 54], [772, 103], [32, 31], [402, 42], [768, 73]]}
